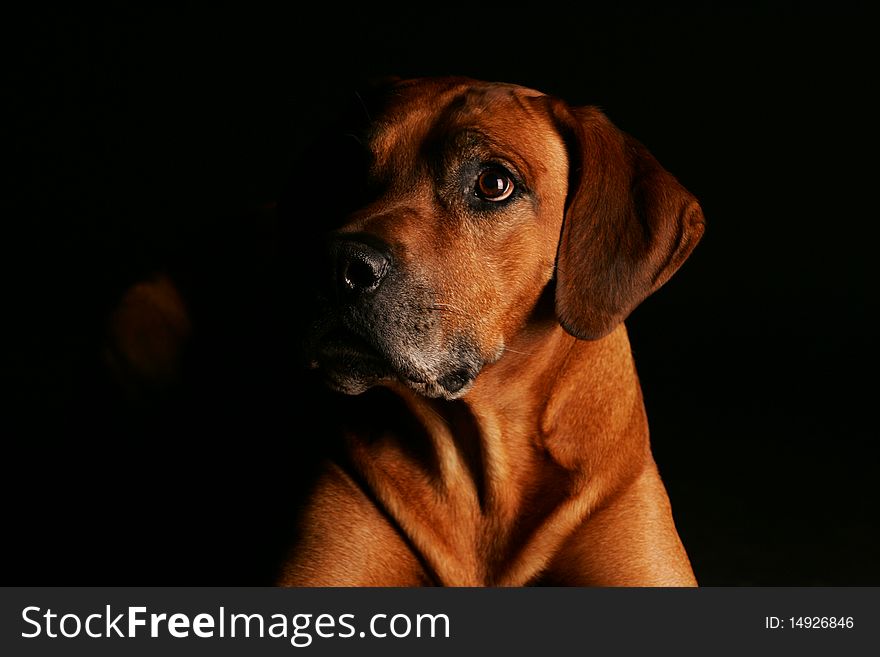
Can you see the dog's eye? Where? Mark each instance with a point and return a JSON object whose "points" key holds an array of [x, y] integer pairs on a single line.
{"points": [[494, 184]]}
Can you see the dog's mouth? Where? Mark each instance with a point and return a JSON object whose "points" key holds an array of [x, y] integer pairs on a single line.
{"points": [[347, 362], [351, 363], [343, 345]]}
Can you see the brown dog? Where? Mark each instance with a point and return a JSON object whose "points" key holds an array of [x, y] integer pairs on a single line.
{"points": [[482, 287]]}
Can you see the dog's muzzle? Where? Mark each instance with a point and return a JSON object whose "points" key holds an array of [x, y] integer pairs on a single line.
{"points": [[376, 322]]}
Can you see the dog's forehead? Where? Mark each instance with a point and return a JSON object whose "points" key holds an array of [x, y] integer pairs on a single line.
{"points": [[439, 96], [416, 109]]}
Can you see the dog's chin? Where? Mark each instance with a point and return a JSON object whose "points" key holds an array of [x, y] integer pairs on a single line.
{"points": [[354, 379], [349, 383], [353, 366], [452, 386]]}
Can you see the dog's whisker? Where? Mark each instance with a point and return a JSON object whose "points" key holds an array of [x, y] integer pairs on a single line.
{"points": [[437, 415], [356, 138], [523, 353], [363, 106]]}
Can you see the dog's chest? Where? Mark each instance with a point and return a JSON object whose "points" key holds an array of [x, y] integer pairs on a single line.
{"points": [[478, 507]]}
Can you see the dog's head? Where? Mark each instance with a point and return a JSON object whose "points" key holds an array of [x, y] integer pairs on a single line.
{"points": [[454, 209]]}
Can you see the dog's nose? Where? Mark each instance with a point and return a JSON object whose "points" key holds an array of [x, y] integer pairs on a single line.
{"points": [[360, 268]]}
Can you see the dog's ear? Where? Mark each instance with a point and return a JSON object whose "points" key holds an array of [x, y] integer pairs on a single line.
{"points": [[628, 225]]}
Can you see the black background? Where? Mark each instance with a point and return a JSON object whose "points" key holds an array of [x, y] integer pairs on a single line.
{"points": [[135, 140]]}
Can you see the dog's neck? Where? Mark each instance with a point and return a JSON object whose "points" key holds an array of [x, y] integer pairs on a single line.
{"points": [[550, 395], [540, 439], [572, 398]]}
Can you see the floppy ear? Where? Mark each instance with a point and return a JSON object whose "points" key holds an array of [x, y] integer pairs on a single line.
{"points": [[628, 225]]}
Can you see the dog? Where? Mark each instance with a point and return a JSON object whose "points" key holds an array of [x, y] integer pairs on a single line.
{"points": [[467, 308]]}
